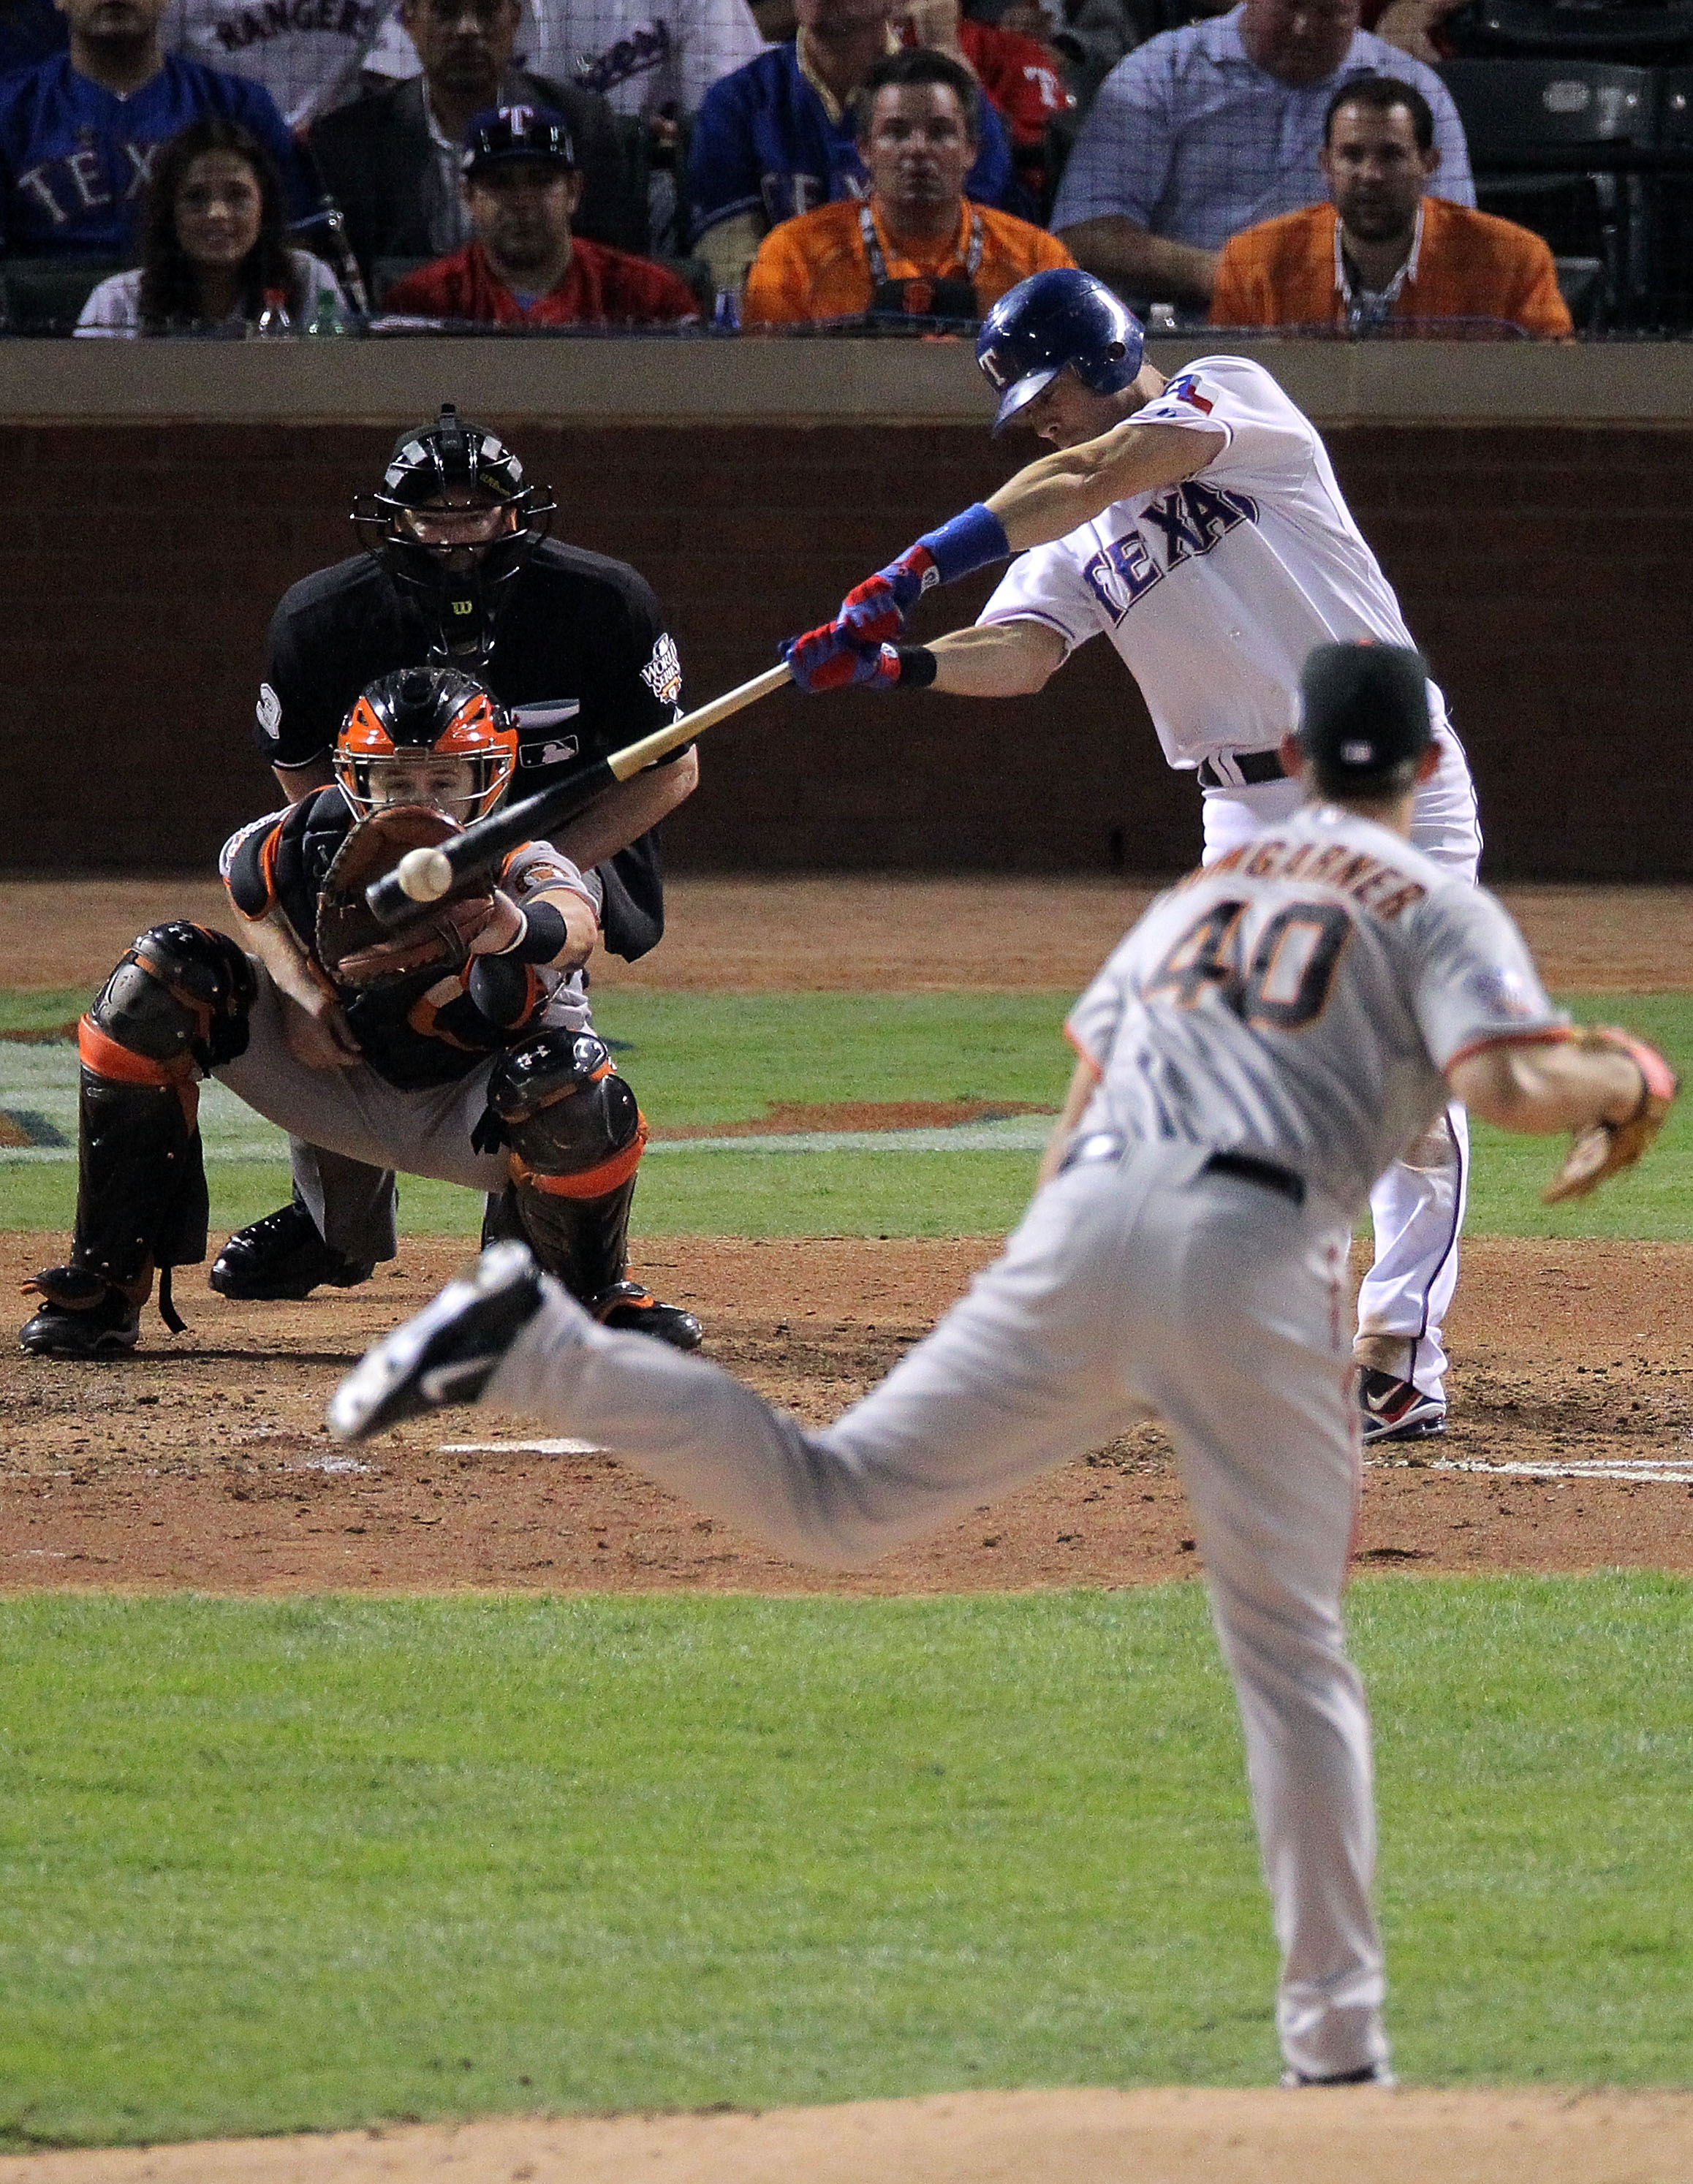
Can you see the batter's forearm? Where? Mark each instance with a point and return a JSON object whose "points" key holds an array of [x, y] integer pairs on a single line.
{"points": [[1131, 258], [1063, 491], [996, 660]]}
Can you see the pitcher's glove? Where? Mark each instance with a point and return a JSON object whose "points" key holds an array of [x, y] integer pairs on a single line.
{"points": [[358, 952], [1603, 1148]]}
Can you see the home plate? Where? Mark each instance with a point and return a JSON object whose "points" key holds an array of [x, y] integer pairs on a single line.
{"points": [[519, 1448], [1669, 1472]]}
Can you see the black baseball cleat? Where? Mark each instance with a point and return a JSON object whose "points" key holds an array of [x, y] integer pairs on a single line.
{"points": [[629, 1309], [1372, 2073], [282, 1257], [83, 1316], [446, 1354], [1397, 1410]]}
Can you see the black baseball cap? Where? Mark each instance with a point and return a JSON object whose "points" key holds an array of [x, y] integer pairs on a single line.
{"points": [[1364, 711], [500, 134]]}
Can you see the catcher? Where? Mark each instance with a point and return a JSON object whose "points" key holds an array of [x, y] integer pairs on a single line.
{"points": [[465, 1051]]}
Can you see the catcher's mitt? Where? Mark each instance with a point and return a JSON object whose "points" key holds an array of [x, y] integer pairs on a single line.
{"points": [[1603, 1148], [354, 949]]}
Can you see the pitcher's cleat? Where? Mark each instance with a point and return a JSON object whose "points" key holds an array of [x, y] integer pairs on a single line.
{"points": [[446, 1353], [1373, 2074], [629, 1309]]}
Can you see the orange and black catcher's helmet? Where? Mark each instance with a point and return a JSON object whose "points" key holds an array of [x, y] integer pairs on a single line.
{"points": [[419, 714]]}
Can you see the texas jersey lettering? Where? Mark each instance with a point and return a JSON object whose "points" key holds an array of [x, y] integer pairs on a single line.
{"points": [[1187, 520]]}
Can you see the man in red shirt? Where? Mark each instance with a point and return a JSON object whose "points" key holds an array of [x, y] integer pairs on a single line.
{"points": [[525, 268]]}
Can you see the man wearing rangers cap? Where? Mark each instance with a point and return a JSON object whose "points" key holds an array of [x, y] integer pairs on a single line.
{"points": [[1196, 522]]}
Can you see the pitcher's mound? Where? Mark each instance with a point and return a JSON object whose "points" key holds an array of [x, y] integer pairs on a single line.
{"points": [[1174, 2137]]}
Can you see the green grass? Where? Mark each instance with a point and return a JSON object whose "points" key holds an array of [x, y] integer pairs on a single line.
{"points": [[709, 1057], [304, 1863]]}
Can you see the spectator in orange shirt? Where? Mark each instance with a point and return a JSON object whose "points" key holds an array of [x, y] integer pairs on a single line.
{"points": [[916, 245], [1381, 249], [521, 186]]}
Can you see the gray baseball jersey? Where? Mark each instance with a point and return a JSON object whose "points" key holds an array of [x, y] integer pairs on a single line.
{"points": [[1299, 1000]]}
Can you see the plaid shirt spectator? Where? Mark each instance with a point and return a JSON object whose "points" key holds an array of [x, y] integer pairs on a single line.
{"points": [[1190, 138]]}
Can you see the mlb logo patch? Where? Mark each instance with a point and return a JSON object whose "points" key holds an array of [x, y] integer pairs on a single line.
{"points": [[553, 752]]}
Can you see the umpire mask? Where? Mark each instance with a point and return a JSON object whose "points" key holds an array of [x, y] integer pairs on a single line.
{"points": [[452, 523]]}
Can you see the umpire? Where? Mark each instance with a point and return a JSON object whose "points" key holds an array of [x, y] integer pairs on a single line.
{"points": [[459, 572]]}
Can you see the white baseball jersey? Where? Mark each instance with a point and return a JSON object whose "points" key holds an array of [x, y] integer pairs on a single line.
{"points": [[639, 57], [1214, 591], [1299, 1000], [306, 52]]}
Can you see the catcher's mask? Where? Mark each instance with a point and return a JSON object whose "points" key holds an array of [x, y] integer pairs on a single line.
{"points": [[404, 721], [452, 523]]}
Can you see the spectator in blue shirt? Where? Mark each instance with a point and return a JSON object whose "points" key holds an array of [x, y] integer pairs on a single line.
{"points": [[1203, 131], [78, 132], [777, 137]]}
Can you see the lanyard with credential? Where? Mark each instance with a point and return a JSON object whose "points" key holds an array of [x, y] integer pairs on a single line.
{"points": [[879, 264]]}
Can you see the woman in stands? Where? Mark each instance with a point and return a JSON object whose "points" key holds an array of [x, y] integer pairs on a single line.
{"points": [[214, 250]]}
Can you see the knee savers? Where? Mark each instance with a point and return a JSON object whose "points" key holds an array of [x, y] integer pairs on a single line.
{"points": [[183, 992], [572, 1122]]}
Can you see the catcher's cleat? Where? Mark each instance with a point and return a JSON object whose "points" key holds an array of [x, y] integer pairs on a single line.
{"points": [[83, 1316], [629, 1309], [283, 1257], [446, 1354], [1397, 1410], [1372, 2073]]}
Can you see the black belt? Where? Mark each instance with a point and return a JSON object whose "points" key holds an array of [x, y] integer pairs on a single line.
{"points": [[1250, 1169], [1257, 767], [1111, 1145]]}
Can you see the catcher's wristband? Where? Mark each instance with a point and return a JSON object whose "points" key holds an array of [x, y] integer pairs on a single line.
{"points": [[540, 937], [917, 665]]}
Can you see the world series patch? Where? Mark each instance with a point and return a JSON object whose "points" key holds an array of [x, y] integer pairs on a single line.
{"points": [[662, 673]]}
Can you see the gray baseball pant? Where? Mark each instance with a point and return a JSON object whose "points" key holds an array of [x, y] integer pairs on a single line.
{"points": [[357, 1117], [1137, 1287]]}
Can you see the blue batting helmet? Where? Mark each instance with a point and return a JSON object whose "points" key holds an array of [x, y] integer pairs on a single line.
{"points": [[1054, 318]]}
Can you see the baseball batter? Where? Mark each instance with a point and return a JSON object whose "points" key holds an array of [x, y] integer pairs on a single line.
{"points": [[1197, 524], [465, 1052], [1274, 1030]]}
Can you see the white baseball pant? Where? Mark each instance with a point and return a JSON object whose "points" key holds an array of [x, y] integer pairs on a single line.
{"points": [[1138, 1286], [1417, 1207]]}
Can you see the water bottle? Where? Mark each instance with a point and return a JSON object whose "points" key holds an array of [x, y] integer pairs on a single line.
{"points": [[273, 320], [325, 317], [726, 312]]}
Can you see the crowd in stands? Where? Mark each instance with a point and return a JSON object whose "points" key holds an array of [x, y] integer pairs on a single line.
{"points": [[210, 164]]}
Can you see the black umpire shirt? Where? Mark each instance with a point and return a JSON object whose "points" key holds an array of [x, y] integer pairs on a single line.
{"points": [[581, 659]]}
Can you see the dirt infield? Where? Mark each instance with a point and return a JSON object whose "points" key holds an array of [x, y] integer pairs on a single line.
{"points": [[204, 1461], [905, 934]]}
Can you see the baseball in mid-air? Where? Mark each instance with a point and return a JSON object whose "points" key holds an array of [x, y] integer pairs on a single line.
{"points": [[425, 875]]}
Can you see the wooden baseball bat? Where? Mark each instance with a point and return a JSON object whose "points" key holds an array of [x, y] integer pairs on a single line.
{"points": [[424, 877]]}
